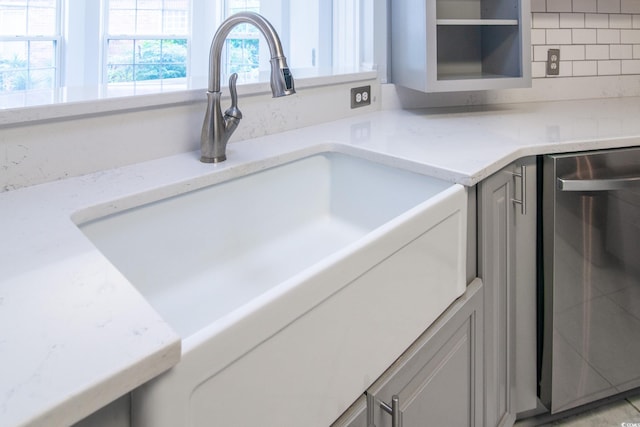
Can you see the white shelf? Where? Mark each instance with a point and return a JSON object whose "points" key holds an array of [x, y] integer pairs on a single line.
{"points": [[462, 76], [477, 22]]}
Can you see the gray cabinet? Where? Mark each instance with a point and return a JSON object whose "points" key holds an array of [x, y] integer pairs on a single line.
{"points": [[525, 262], [438, 380], [451, 45], [506, 264], [115, 414]]}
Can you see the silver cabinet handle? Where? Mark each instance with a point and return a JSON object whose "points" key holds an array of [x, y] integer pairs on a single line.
{"points": [[394, 411], [523, 189], [598, 184]]}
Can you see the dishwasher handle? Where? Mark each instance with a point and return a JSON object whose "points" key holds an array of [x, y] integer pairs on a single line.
{"points": [[598, 184]]}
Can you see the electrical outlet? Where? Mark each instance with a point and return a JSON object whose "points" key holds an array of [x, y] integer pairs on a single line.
{"points": [[553, 62], [360, 96]]}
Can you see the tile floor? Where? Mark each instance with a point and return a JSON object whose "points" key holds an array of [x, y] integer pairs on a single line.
{"points": [[624, 413], [620, 413]]}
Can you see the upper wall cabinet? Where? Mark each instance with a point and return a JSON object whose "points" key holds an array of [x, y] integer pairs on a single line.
{"points": [[460, 45]]}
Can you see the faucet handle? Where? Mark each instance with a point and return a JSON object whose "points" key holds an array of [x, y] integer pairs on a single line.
{"points": [[233, 111]]}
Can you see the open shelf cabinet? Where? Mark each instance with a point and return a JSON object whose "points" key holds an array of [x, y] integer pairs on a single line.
{"points": [[460, 45]]}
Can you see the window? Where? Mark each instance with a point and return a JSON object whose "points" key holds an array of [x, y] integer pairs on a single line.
{"points": [[29, 44], [146, 40], [168, 40], [243, 44]]}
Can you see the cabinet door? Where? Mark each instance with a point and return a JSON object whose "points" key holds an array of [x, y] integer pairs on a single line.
{"points": [[508, 280], [438, 380]]}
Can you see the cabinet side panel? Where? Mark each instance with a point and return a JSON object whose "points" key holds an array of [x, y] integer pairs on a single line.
{"points": [[408, 41], [496, 248], [525, 296]]}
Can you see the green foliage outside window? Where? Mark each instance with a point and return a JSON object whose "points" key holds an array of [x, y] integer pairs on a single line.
{"points": [[243, 55], [149, 60], [13, 74]]}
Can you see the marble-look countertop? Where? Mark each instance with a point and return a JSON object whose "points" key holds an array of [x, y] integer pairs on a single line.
{"points": [[75, 334]]}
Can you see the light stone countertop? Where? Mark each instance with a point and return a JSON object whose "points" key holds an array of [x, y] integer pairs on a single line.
{"points": [[75, 334]]}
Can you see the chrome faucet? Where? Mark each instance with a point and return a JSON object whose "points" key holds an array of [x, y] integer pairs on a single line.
{"points": [[217, 128]]}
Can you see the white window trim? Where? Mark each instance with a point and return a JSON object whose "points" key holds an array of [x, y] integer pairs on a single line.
{"points": [[106, 37], [89, 97], [81, 58], [85, 65], [57, 38]]}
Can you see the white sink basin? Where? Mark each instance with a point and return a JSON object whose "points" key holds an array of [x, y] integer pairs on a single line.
{"points": [[302, 282], [198, 256]]}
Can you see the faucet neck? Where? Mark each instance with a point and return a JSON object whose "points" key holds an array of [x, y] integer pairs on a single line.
{"points": [[278, 60]]}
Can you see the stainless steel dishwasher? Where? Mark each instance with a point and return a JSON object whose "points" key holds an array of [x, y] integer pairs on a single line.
{"points": [[591, 269]]}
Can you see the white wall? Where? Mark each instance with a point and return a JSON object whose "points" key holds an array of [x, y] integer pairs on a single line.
{"points": [[48, 150]]}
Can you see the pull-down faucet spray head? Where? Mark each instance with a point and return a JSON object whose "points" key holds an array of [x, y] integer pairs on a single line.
{"points": [[217, 128]]}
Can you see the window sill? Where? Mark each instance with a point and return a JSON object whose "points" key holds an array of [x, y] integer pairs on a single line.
{"points": [[37, 106]]}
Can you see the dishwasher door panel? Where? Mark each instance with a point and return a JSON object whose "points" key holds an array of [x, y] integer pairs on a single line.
{"points": [[591, 235]]}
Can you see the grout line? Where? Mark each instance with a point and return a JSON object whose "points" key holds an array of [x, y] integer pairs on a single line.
{"points": [[633, 405]]}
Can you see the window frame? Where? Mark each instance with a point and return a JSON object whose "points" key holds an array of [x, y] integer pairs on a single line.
{"points": [[80, 62], [57, 40], [106, 38]]}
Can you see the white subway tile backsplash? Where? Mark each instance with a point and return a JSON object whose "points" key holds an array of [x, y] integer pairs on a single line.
{"points": [[540, 52], [538, 5], [538, 69], [630, 6], [597, 51], [585, 68], [596, 20], [573, 53], [609, 6], [546, 20], [559, 6], [620, 21], [585, 5], [560, 36], [572, 20], [630, 36], [609, 68], [631, 66], [608, 36], [538, 36], [584, 35], [621, 51], [566, 68], [595, 37]]}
